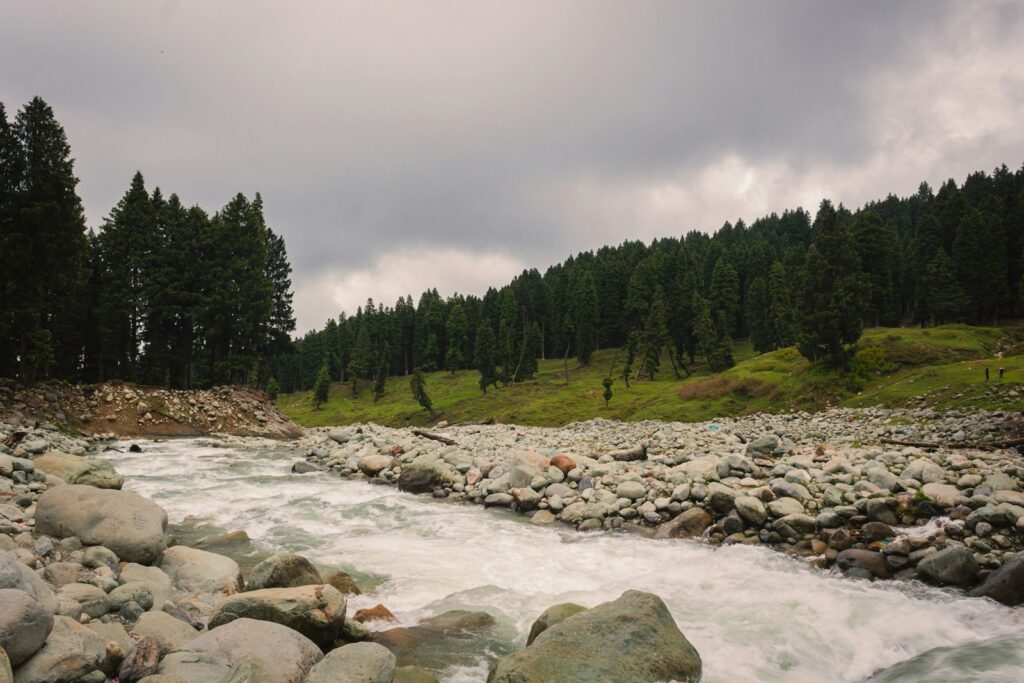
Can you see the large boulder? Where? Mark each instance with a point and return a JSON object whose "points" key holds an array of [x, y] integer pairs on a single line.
{"points": [[6, 675], [171, 633], [192, 667], [423, 475], [953, 566], [525, 467], [551, 616], [633, 638], [74, 469], [91, 600], [1006, 584], [283, 570], [862, 564], [159, 584], [317, 612], [355, 663], [24, 624], [451, 638], [688, 524], [200, 578], [14, 574], [287, 655], [71, 651], [131, 526]]}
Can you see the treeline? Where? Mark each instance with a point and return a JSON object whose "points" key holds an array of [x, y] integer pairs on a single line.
{"points": [[164, 294], [676, 303]]}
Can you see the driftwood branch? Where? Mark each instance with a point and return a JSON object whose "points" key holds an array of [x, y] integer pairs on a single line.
{"points": [[434, 437], [982, 446], [637, 453], [473, 423]]}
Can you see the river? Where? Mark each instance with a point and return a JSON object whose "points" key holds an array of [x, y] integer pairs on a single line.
{"points": [[753, 614]]}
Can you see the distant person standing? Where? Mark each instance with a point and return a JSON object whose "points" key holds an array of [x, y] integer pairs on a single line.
{"points": [[986, 373], [1002, 371]]}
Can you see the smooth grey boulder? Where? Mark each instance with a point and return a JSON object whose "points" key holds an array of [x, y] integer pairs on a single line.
{"points": [[92, 600], [135, 591], [193, 667], [424, 475], [283, 570], [688, 524], [1006, 584], [24, 624], [633, 638], [6, 674], [71, 651], [171, 633], [154, 578], [355, 663], [249, 671], [200, 578], [74, 469], [14, 574], [954, 566], [551, 616], [131, 526], [317, 612], [286, 654]]}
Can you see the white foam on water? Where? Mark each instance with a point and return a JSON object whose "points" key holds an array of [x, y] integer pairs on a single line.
{"points": [[753, 614]]}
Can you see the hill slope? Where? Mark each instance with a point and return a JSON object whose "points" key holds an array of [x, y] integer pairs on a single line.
{"points": [[894, 367]]}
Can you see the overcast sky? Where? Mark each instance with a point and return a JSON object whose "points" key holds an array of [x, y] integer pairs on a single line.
{"points": [[406, 145]]}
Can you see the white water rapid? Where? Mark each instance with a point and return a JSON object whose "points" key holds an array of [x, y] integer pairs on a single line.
{"points": [[753, 614]]}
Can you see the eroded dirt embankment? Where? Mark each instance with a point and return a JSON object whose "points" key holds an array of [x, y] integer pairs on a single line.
{"points": [[129, 410]]}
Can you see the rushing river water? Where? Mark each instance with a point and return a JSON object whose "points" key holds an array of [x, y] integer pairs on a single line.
{"points": [[753, 614]]}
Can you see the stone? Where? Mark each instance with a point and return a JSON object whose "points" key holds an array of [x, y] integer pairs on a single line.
{"points": [[879, 511], [376, 613], [785, 506], [171, 633], [112, 631], [97, 556], [131, 526], [687, 524], [92, 600], [543, 518], [751, 510], [451, 638], [193, 667], [423, 476], [6, 674], [924, 471], [876, 531], [762, 446], [249, 670], [373, 464], [24, 625], [71, 651], [502, 500], [564, 463], [74, 469], [287, 655], [633, 638], [954, 566], [633, 490], [59, 573], [317, 612], [862, 563], [200, 578], [551, 616], [283, 570], [1006, 584], [355, 663], [413, 674], [154, 578], [141, 661], [343, 582], [525, 466], [526, 498], [136, 591], [944, 495]]}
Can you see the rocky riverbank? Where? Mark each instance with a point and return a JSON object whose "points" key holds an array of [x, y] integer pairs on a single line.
{"points": [[94, 589], [828, 487], [117, 409]]}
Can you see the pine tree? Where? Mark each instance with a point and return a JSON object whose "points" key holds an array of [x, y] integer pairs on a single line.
{"points": [[484, 354], [418, 386], [944, 299], [724, 293], [362, 354], [456, 329], [779, 319], [12, 244], [531, 351], [278, 272], [381, 372], [509, 335], [585, 317], [607, 383], [721, 356], [655, 336], [632, 346], [758, 310], [704, 330], [46, 250], [322, 386], [273, 389]]}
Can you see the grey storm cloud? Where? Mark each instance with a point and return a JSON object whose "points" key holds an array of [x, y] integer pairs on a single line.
{"points": [[517, 132]]}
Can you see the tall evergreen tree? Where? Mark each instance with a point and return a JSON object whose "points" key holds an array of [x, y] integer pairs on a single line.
{"points": [[484, 354], [758, 311], [779, 319], [585, 317], [456, 329], [944, 299], [655, 336], [418, 386]]}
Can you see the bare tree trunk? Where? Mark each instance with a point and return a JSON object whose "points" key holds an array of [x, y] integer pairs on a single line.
{"points": [[566, 365]]}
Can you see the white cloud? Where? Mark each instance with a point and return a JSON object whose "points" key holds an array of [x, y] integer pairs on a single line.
{"points": [[397, 274]]}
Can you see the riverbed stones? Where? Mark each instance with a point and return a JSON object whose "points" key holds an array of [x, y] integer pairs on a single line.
{"points": [[24, 625], [133, 527], [862, 564], [193, 667], [785, 506], [632, 490], [355, 663], [74, 469], [423, 475], [751, 510], [283, 570], [551, 616], [141, 661], [955, 566], [286, 654], [90, 599], [154, 578], [373, 464], [317, 612], [200, 578], [71, 651], [633, 638]]}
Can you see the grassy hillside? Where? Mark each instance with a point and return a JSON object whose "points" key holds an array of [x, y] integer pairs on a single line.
{"points": [[893, 366]]}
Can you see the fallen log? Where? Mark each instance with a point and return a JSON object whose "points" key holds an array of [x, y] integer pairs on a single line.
{"points": [[434, 437], [982, 446], [473, 423], [636, 453]]}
